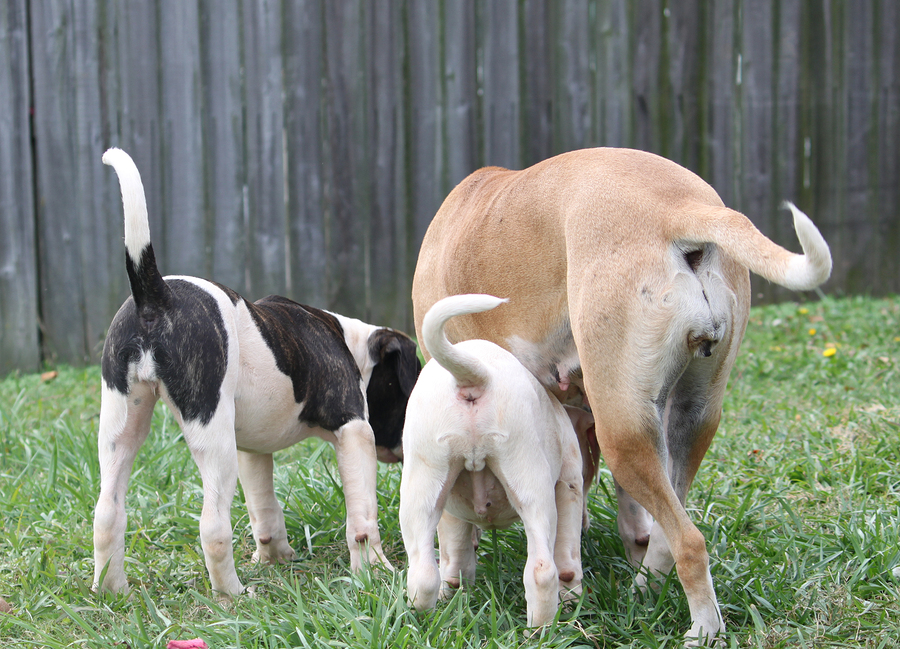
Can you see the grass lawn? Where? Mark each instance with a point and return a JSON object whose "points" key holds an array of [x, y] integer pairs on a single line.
{"points": [[798, 500]]}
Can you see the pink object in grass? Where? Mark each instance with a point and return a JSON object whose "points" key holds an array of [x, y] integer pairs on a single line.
{"points": [[196, 643]]}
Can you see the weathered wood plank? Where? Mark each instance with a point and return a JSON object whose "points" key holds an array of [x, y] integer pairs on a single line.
{"points": [[267, 229], [19, 348], [501, 91], [183, 244], [222, 134], [390, 272], [303, 48], [424, 141], [346, 164], [58, 221]]}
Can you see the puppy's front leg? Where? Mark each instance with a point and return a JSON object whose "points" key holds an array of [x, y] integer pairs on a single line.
{"points": [[355, 450], [266, 514]]}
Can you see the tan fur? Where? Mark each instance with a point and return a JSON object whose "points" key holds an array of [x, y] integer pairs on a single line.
{"points": [[593, 248]]}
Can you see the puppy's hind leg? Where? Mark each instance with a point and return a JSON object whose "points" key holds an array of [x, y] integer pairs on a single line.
{"points": [[213, 449], [532, 492], [423, 488], [124, 425], [635, 525], [457, 547], [266, 514], [355, 450], [569, 512]]}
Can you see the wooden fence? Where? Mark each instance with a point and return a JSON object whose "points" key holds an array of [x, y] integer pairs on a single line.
{"points": [[301, 147]]}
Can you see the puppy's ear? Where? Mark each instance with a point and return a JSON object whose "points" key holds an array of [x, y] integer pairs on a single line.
{"points": [[397, 352], [393, 378]]}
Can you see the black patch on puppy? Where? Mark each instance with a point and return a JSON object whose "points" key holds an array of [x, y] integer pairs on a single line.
{"points": [[396, 369], [308, 345], [187, 341]]}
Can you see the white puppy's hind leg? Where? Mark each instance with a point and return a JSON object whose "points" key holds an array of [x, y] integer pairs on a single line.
{"points": [[569, 512], [420, 510], [124, 425], [355, 450], [458, 561], [635, 525], [266, 514]]}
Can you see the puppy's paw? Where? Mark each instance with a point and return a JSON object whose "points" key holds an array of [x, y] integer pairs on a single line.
{"points": [[276, 551]]}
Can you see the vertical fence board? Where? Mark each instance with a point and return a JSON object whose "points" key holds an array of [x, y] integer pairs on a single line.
{"points": [[183, 242], [349, 177], [222, 134], [307, 211], [501, 85], [18, 263], [424, 167], [461, 88], [59, 232], [535, 82], [264, 148], [885, 198], [390, 275], [571, 117], [613, 97]]}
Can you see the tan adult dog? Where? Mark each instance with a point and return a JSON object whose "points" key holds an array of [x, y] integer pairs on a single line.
{"points": [[628, 284]]}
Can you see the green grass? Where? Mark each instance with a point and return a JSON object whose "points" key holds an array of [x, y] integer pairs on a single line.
{"points": [[798, 499]]}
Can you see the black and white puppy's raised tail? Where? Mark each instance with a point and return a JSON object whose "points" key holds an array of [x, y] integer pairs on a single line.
{"points": [[151, 294], [466, 368]]}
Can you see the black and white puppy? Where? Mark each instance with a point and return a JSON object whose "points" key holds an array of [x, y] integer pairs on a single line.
{"points": [[243, 380]]}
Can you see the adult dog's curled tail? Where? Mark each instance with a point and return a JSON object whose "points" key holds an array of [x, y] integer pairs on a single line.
{"points": [[149, 290], [468, 370], [739, 238]]}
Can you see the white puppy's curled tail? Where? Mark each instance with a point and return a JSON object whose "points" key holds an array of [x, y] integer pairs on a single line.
{"points": [[468, 370], [150, 292]]}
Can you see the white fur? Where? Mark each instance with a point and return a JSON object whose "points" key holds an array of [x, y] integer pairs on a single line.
{"points": [[484, 446], [137, 227]]}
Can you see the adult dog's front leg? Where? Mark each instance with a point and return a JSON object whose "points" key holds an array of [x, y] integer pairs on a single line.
{"points": [[124, 425], [355, 450], [266, 514]]}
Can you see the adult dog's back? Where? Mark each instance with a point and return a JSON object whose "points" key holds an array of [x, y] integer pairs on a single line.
{"points": [[628, 285]]}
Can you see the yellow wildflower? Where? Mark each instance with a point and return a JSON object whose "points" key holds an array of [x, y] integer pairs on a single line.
{"points": [[831, 351], [803, 310], [812, 331]]}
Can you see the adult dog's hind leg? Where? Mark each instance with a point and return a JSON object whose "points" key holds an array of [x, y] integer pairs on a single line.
{"points": [[266, 514], [124, 425]]}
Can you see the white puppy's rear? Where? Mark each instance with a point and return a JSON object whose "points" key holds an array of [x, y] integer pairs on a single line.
{"points": [[485, 444]]}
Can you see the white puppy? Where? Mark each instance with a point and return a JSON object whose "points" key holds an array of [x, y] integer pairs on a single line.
{"points": [[485, 444]]}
